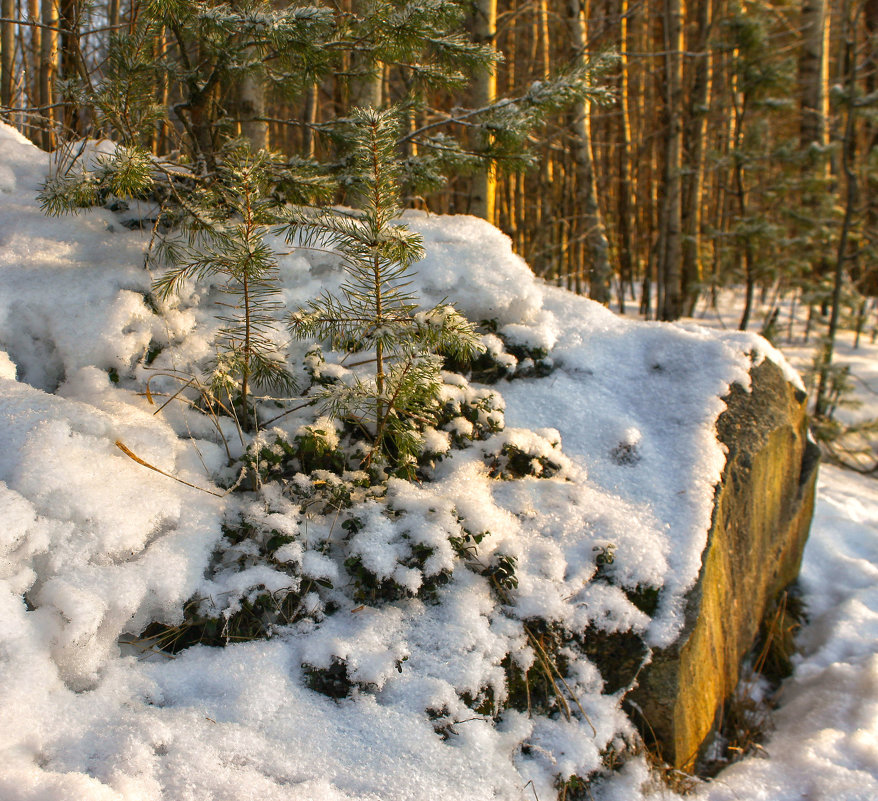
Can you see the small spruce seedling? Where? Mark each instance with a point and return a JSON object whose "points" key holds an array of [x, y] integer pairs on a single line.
{"points": [[374, 310]]}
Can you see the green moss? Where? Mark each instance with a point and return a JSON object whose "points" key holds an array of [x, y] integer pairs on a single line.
{"points": [[536, 691], [617, 655], [333, 681], [644, 597], [483, 703]]}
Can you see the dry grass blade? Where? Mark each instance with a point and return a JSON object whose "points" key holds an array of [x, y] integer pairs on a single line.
{"points": [[134, 457], [549, 668], [206, 396], [171, 398]]}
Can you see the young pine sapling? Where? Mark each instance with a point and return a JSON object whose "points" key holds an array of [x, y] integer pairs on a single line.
{"points": [[374, 311], [227, 241]]}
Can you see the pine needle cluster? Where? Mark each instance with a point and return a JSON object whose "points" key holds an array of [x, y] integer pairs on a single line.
{"points": [[128, 172]]}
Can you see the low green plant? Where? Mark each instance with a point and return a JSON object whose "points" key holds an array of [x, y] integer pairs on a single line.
{"points": [[208, 229]]}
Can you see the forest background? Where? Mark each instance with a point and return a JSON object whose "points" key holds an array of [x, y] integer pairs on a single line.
{"points": [[646, 152]]}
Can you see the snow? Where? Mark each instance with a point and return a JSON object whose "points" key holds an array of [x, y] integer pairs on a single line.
{"points": [[623, 455]]}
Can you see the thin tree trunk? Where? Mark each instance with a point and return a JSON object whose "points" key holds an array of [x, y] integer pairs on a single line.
{"points": [[848, 147], [868, 283], [33, 68], [600, 272], [744, 249], [693, 147], [813, 74], [625, 191], [367, 75], [484, 184], [70, 56], [670, 253], [161, 133], [250, 105], [7, 53], [48, 71], [309, 118]]}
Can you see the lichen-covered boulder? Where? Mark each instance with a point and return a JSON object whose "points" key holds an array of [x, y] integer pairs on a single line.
{"points": [[762, 513]]}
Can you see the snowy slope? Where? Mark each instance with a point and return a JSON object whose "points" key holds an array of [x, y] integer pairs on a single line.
{"points": [[94, 546]]}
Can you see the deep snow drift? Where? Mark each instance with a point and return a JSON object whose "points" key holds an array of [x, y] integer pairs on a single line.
{"points": [[94, 546]]}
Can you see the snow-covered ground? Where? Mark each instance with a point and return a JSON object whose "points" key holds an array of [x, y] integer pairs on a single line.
{"points": [[94, 546]]}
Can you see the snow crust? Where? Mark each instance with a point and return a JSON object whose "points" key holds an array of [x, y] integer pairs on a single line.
{"points": [[94, 546]]}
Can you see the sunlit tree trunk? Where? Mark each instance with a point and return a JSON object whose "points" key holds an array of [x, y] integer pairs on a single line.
{"points": [[597, 247], [670, 252], [309, 117], [48, 70], [162, 133], [484, 185], [813, 74]]}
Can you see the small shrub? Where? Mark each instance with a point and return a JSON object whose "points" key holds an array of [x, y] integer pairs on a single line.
{"points": [[514, 462]]}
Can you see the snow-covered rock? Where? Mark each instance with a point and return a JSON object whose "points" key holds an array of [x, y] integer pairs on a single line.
{"points": [[95, 545], [762, 517]]}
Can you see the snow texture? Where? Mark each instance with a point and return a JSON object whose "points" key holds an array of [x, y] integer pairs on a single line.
{"points": [[94, 546]]}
